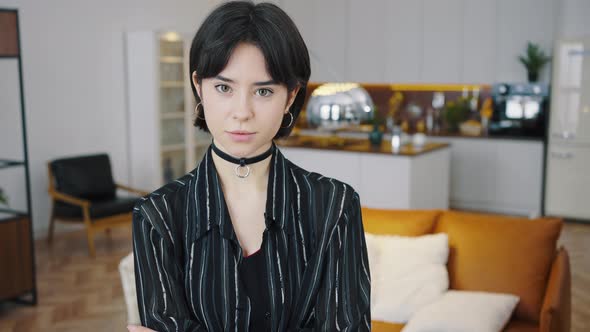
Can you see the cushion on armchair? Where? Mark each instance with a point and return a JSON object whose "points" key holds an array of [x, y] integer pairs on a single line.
{"points": [[98, 209]]}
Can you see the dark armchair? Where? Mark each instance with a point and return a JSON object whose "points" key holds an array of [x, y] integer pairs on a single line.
{"points": [[83, 190]]}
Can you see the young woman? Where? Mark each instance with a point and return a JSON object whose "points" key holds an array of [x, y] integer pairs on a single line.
{"points": [[249, 241]]}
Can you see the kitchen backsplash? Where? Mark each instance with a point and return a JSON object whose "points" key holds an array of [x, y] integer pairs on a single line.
{"points": [[419, 107]]}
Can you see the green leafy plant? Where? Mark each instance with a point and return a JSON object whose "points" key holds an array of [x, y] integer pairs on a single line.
{"points": [[376, 119], [534, 60], [3, 197], [456, 112], [376, 136]]}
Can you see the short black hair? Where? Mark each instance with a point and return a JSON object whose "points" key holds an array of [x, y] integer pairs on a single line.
{"points": [[264, 25]]}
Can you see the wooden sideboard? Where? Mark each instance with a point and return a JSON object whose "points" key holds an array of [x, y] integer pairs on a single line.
{"points": [[16, 260]]}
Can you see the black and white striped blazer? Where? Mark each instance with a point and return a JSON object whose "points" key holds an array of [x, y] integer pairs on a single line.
{"points": [[187, 254]]}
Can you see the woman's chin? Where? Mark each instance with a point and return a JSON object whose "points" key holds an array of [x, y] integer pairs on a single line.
{"points": [[244, 149]]}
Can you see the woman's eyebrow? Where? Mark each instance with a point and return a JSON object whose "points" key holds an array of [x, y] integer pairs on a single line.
{"points": [[270, 82], [229, 80]]}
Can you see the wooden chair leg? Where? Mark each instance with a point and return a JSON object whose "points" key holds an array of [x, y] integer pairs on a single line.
{"points": [[90, 236], [51, 225], [89, 232]]}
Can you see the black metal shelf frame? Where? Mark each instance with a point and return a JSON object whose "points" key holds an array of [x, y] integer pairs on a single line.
{"points": [[8, 163]]}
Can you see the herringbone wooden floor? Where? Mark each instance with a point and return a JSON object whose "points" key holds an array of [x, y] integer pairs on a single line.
{"points": [[75, 292], [79, 294], [575, 237]]}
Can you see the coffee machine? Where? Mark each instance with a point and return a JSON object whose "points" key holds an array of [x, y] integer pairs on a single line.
{"points": [[520, 109]]}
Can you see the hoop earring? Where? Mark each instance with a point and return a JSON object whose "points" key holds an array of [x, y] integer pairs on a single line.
{"points": [[290, 122], [197, 111]]}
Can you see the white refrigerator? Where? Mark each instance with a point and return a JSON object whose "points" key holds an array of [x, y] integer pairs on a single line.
{"points": [[567, 181]]}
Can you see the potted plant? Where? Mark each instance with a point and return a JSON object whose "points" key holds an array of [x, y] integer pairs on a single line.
{"points": [[534, 60], [3, 197], [456, 112], [376, 136]]}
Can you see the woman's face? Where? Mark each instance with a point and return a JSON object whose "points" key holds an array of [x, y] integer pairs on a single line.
{"points": [[243, 107]]}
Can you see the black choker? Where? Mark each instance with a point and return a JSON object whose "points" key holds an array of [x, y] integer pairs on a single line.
{"points": [[243, 162]]}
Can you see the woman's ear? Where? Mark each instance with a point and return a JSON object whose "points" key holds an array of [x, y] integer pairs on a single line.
{"points": [[291, 98], [195, 80]]}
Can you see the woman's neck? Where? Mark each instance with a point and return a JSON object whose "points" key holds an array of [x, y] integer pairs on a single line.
{"points": [[256, 182]]}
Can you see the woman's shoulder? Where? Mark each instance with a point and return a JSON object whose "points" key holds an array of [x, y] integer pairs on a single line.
{"points": [[159, 207], [165, 197], [317, 183]]}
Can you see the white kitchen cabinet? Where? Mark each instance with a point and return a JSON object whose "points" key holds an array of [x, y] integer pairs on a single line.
{"points": [[323, 25], [514, 29], [164, 144], [568, 158], [496, 175], [479, 54], [570, 99], [383, 181], [403, 45], [418, 182], [419, 41], [442, 42], [367, 21], [343, 166], [568, 182]]}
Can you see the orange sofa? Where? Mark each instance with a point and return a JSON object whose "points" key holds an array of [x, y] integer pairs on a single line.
{"points": [[497, 254]]}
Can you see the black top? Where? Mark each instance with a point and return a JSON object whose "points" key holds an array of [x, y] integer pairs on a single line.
{"points": [[253, 274], [187, 255]]}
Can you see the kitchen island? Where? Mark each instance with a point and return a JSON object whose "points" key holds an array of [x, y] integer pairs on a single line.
{"points": [[497, 174], [411, 178]]}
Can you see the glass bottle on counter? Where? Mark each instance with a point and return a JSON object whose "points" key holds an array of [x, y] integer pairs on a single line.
{"points": [[396, 139], [438, 102], [429, 120]]}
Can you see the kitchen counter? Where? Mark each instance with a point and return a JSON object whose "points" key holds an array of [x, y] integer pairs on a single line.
{"points": [[352, 144], [412, 178], [508, 137], [362, 131]]}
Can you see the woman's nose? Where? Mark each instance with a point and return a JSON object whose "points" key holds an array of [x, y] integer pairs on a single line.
{"points": [[243, 109]]}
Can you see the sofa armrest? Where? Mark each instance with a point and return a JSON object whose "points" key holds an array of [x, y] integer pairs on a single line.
{"points": [[556, 312], [127, 272]]}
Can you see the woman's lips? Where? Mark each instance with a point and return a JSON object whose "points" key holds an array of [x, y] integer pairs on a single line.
{"points": [[240, 136]]}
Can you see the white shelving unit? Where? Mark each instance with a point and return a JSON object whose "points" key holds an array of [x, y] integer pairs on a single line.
{"points": [[164, 144]]}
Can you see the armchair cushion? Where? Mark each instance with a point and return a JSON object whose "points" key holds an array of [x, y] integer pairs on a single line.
{"points": [[98, 208], [88, 177], [501, 254]]}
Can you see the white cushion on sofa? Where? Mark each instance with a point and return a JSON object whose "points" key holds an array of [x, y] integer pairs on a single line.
{"points": [[464, 311], [407, 273]]}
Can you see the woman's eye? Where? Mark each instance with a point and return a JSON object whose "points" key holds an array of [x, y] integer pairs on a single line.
{"points": [[264, 92], [222, 88]]}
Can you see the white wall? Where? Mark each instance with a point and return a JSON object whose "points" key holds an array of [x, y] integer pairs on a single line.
{"points": [[73, 61], [73, 57]]}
